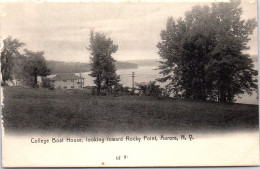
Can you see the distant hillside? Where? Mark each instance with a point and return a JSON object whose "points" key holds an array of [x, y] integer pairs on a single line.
{"points": [[155, 62], [125, 65], [146, 62], [76, 67]]}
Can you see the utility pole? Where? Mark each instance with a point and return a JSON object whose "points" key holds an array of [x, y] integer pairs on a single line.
{"points": [[81, 80], [133, 80]]}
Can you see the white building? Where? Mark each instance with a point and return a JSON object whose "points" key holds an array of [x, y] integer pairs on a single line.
{"points": [[67, 81]]}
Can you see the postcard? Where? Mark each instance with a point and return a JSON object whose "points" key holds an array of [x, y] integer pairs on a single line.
{"points": [[129, 83]]}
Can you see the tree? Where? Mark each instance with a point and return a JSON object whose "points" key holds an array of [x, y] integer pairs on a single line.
{"points": [[231, 69], [9, 52], [35, 66], [19, 73], [102, 62], [203, 54]]}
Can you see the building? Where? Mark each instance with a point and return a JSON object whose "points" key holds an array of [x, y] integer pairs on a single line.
{"points": [[67, 81]]}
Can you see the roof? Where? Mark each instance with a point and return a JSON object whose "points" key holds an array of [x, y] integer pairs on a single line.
{"points": [[66, 76]]}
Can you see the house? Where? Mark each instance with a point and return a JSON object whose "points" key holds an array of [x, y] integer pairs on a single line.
{"points": [[67, 81]]}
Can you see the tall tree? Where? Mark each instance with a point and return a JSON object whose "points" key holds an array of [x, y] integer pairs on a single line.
{"points": [[203, 54], [9, 52], [35, 66], [18, 69], [102, 62], [231, 70]]}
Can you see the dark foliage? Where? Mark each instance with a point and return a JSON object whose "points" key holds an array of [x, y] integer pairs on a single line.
{"points": [[203, 54], [149, 89], [35, 66], [9, 53], [102, 62]]}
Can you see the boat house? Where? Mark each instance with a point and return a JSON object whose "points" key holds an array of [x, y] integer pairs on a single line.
{"points": [[67, 81]]}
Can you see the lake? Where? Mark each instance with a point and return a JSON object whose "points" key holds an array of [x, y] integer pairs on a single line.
{"points": [[150, 73], [142, 74]]}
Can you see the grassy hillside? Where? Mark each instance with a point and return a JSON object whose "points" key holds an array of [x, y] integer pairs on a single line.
{"points": [[59, 110]]}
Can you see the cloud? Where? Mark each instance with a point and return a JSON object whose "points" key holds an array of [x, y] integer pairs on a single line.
{"points": [[62, 29]]}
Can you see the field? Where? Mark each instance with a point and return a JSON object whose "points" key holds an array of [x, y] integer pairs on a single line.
{"points": [[27, 110]]}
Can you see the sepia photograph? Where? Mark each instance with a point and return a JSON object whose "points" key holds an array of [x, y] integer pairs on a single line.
{"points": [[129, 83]]}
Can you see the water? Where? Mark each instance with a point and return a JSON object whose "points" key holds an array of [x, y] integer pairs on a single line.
{"points": [[142, 74], [150, 73]]}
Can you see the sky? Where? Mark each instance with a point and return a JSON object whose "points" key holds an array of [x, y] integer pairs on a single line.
{"points": [[61, 30]]}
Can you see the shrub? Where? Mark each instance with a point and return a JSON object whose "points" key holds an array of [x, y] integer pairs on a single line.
{"points": [[149, 89], [46, 83]]}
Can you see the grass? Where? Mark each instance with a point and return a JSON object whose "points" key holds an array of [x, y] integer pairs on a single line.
{"points": [[63, 110]]}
